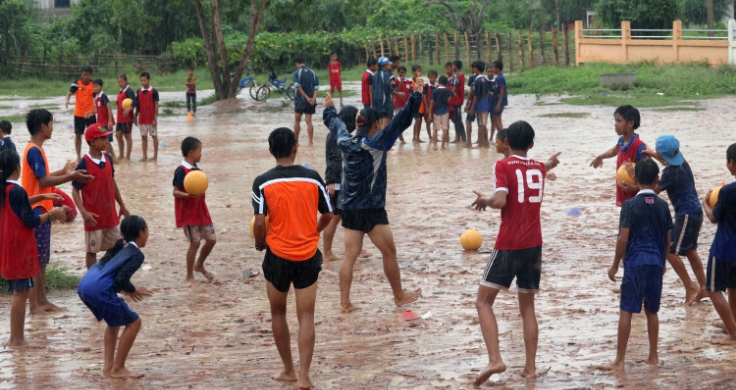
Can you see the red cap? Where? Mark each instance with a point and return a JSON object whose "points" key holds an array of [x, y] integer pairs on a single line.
{"points": [[95, 131]]}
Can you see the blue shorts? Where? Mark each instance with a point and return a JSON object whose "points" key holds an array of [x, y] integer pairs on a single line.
{"points": [[685, 233], [641, 283], [720, 275], [366, 106], [114, 311], [470, 118], [43, 239], [20, 284], [481, 107]]}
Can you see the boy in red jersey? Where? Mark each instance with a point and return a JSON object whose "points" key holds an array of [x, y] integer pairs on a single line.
{"points": [[18, 254], [365, 86], [191, 211], [518, 250], [335, 69], [96, 199], [628, 148], [457, 84], [104, 114], [124, 128], [146, 114], [416, 71], [403, 89]]}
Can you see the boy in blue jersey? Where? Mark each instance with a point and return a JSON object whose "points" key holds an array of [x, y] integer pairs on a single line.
{"points": [[677, 179], [721, 274], [644, 238], [500, 97], [305, 101]]}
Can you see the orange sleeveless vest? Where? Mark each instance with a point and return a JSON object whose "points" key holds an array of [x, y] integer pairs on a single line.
{"points": [[29, 181]]}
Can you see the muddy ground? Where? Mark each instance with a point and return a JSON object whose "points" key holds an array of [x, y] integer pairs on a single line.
{"points": [[218, 335]]}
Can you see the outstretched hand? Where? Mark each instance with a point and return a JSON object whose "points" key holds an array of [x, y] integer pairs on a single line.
{"points": [[328, 100], [419, 85], [553, 161], [481, 202]]}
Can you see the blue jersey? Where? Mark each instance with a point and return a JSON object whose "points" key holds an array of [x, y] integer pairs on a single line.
{"points": [[679, 183], [500, 81], [724, 243], [364, 157], [7, 144], [383, 89], [648, 219], [104, 282], [305, 78]]}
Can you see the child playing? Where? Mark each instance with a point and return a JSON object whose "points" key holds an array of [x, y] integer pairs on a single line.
{"points": [[291, 196], [502, 147], [366, 89], [427, 101], [644, 239], [416, 71], [469, 119], [84, 106], [456, 102], [479, 106], [146, 114], [721, 274], [402, 92], [191, 83], [628, 148], [99, 289], [677, 179], [124, 128], [518, 250], [96, 199], [6, 128], [104, 114], [335, 70], [500, 97], [192, 213], [37, 179], [18, 253], [439, 110]]}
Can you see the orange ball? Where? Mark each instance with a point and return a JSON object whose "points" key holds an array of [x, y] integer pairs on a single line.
{"points": [[471, 240], [624, 173], [196, 183], [714, 197], [127, 102], [253, 226]]}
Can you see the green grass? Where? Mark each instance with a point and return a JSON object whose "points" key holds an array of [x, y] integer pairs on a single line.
{"points": [[680, 108], [566, 115], [57, 278], [630, 97], [17, 118]]}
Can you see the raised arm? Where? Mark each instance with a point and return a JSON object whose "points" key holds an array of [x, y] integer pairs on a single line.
{"points": [[385, 139]]}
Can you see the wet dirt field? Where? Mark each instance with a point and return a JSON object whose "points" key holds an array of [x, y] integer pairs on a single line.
{"points": [[218, 335]]}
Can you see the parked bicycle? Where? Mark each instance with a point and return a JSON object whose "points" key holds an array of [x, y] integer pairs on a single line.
{"points": [[264, 91], [248, 82]]}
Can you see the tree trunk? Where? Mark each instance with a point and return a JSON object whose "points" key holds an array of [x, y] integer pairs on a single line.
{"points": [[557, 11], [554, 47], [541, 44], [256, 16], [209, 50], [711, 16]]}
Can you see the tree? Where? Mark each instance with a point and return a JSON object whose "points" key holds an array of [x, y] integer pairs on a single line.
{"points": [[470, 22], [709, 6], [643, 14], [226, 86]]}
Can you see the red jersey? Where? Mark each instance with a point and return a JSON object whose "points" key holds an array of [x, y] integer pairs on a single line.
{"points": [[335, 70], [623, 156], [365, 87], [405, 86], [71, 213], [189, 211], [103, 116], [98, 196], [122, 95], [458, 84], [147, 105], [18, 252], [523, 180]]}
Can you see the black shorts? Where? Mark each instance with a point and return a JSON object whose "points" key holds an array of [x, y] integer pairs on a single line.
{"points": [[720, 275], [333, 202], [523, 264], [126, 128], [305, 111], [282, 273], [364, 220], [81, 123], [685, 233]]}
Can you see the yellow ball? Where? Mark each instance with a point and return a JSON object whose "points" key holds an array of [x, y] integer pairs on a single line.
{"points": [[623, 173], [714, 197], [253, 226], [196, 183], [127, 103], [471, 240]]}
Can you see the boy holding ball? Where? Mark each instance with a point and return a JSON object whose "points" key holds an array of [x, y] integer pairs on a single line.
{"points": [[191, 211]]}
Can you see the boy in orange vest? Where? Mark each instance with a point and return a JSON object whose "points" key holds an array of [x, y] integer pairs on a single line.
{"points": [[84, 106]]}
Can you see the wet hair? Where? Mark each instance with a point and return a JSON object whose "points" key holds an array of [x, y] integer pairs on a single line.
{"points": [[394, 58], [448, 63], [502, 135], [372, 61], [37, 118], [97, 82], [401, 68], [123, 76], [281, 142], [9, 162], [146, 75], [348, 115], [630, 114], [432, 73], [415, 68], [298, 60], [130, 228], [498, 64], [458, 64], [87, 69], [442, 80], [189, 144], [6, 127], [731, 153], [646, 171], [480, 65], [521, 135]]}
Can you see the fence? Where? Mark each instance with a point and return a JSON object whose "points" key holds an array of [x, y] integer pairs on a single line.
{"points": [[662, 46], [69, 65]]}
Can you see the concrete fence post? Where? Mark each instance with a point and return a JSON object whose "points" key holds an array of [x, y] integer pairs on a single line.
{"points": [[625, 38], [578, 40], [676, 39], [732, 42]]}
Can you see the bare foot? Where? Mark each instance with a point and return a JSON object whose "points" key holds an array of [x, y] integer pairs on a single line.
{"points": [[331, 257], [17, 343], [493, 368], [719, 324], [144, 159], [154, 158], [702, 294], [38, 311], [408, 297], [690, 295], [348, 309], [305, 384], [455, 141], [402, 142], [434, 147], [124, 373], [200, 269], [420, 141], [535, 374], [191, 281], [364, 255], [284, 377], [615, 366], [310, 145], [48, 306], [652, 361], [467, 146]]}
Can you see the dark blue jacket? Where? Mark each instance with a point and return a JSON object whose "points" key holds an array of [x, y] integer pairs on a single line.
{"points": [[383, 89], [364, 157]]}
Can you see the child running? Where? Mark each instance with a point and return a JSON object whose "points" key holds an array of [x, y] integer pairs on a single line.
{"points": [[519, 190], [644, 240], [37, 179], [629, 148], [677, 179], [146, 115], [124, 127], [721, 275], [366, 89], [191, 83], [104, 115], [18, 253], [335, 69], [96, 199], [291, 196], [192, 214], [99, 289], [439, 112]]}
